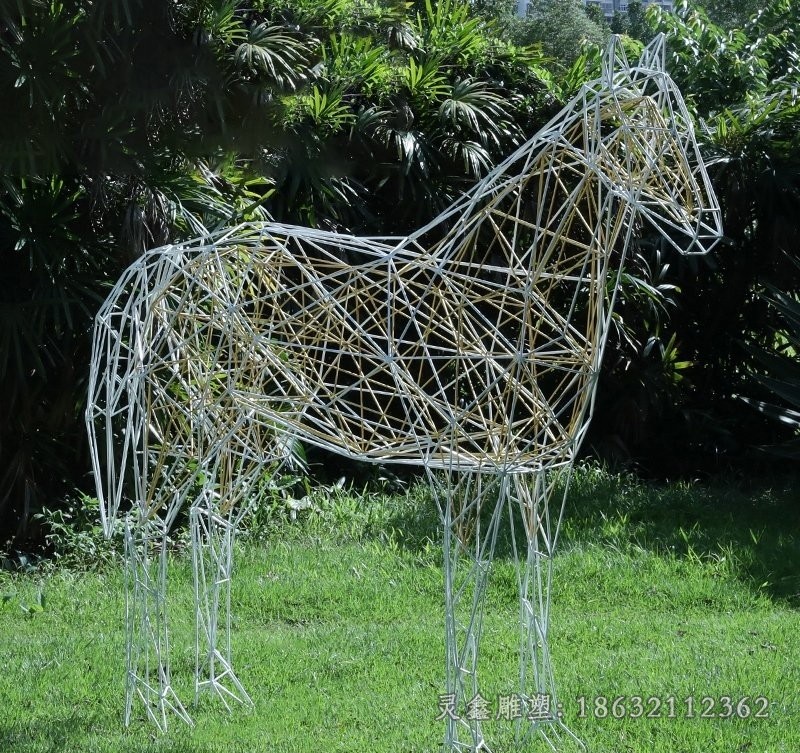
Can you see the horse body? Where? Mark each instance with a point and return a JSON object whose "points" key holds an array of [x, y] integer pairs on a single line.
{"points": [[454, 374], [476, 356]]}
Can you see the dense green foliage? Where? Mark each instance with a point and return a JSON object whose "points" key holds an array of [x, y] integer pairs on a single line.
{"points": [[561, 27], [112, 105], [137, 122], [732, 14], [776, 367]]}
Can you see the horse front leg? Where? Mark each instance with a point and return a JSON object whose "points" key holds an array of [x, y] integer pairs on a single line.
{"points": [[470, 515], [213, 533], [146, 634], [534, 566]]}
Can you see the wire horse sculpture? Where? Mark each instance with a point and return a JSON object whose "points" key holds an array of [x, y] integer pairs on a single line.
{"points": [[475, 357]]}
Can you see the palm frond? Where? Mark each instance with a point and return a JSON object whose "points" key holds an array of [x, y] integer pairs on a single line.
{"points": [[474, 106], [476, 160], [272, 51]]}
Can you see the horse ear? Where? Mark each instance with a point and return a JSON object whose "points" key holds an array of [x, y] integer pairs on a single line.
{"points": [[614, 60], [654, 56]]}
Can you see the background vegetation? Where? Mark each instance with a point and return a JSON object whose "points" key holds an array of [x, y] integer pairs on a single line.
{"points": [[131, 123]]}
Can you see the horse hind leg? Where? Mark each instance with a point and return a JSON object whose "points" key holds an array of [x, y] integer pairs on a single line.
{"points": [[147, 636], [543, 714]]}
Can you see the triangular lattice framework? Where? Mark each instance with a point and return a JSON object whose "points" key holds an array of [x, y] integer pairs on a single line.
{"points": [[475, 356]]}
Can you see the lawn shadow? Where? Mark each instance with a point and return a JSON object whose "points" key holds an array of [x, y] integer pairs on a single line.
{"points": [[80, 732], [752, 529]]}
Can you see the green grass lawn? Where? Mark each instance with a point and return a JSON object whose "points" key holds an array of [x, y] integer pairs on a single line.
{"points": [[338, 631]]}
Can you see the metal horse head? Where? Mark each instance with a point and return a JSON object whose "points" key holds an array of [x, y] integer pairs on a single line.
{"points": [[648, 132]]}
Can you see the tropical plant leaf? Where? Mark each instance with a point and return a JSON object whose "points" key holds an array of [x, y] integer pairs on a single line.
{"points": [[426, 79], [779, 413], [472, 155], [327, 110], [475, 107], [272, 51]]}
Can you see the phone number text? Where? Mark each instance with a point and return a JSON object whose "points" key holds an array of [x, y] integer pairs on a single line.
{"points": [[672, 707]]}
